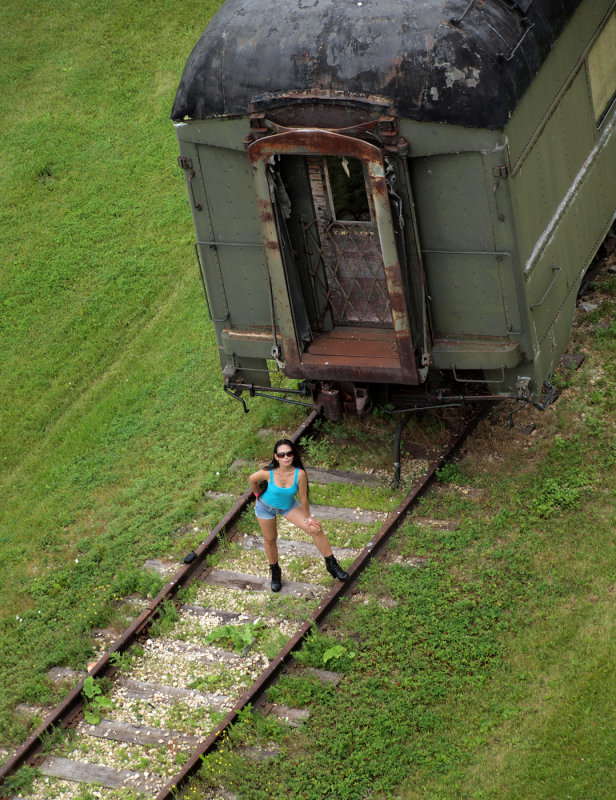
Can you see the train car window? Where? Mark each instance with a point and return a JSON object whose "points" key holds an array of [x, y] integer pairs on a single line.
{"points": [[602, 69], [347, 188]]}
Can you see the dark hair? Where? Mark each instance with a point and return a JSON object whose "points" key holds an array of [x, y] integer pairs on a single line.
{"points": [[297, 460]]}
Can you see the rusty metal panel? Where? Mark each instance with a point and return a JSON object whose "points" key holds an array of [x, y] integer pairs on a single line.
{"points": [[395, 285], [347, 353], [276, 281]]}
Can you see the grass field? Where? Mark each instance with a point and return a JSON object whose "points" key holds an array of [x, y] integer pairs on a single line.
{"points": [[493, 675], [112, 419], [488, 673]]}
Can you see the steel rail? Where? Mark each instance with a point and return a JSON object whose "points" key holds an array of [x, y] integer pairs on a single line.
{"points": [[271, 673], [66, 712], [70, 708]]}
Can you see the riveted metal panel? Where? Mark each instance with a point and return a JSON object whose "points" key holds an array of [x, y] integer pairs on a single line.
{"points": [[227, 181], [451, 202], [428, 139], [227, 132], [465, 294], [551, 167], [211, 274]]}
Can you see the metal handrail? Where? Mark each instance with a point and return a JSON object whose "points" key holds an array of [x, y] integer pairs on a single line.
{"points": [[556, 269]]}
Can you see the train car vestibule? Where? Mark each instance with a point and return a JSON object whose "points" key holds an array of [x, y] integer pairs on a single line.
{"points": [[335, 245]]}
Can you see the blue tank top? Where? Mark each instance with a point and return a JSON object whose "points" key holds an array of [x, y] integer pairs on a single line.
{"points": [[277, 497]]}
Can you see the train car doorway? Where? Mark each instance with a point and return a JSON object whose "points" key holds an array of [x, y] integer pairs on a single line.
{"points": [[332, 257], [344, 236]]}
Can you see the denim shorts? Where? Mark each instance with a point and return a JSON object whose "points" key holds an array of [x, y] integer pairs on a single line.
{"points": [[263, 511]]}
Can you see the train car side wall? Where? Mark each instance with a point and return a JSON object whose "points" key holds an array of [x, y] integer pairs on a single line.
{"points": [[562, 147], [468, 248], [229, 242]]}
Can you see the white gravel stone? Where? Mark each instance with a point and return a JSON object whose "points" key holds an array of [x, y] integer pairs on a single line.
{"points": [[55, 789], [184, 660]]}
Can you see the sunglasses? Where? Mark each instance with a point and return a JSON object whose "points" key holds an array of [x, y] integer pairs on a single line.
{"points": [[288, 454]]}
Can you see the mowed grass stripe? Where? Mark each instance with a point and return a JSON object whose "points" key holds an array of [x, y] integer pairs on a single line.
{"points": [[83, 452], [126, 362], [112, 421]]}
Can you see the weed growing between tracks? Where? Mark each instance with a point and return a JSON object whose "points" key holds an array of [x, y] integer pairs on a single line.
{"points": [[489, 670], [113, 421]]}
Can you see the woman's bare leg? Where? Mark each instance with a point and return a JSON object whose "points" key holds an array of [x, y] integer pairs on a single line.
{"points": [[296, 516], [270, 534]]}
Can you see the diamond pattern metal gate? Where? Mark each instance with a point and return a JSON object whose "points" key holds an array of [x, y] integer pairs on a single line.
{"points": [[349, 267]]}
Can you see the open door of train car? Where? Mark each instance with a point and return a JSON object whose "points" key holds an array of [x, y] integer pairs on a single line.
{"points": [[344, 304]]}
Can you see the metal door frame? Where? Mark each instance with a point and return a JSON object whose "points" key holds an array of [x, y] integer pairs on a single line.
{"points": [[314, 141]]}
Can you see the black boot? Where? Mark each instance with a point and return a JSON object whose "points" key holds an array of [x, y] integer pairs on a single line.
{"points": [[334, 568], [276, 577]]}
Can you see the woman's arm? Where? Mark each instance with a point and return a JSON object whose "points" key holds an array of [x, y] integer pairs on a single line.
{"points": [[302, 492], [257, 478]]}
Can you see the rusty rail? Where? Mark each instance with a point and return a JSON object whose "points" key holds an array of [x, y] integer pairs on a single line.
{"points": [[71, 706], [391, 524], [69, 709]]}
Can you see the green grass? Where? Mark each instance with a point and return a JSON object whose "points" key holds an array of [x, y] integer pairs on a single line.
{"points": [[112, 420], [490, 674], [489, 671]]}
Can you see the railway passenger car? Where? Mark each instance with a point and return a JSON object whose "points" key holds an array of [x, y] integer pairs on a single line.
{"points": [[393, 198]]}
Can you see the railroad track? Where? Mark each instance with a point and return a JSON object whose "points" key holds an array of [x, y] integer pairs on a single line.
{"points": [[158, 686]]}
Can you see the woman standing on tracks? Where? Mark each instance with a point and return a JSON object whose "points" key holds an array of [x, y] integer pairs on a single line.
{"points": [[286, 477]]}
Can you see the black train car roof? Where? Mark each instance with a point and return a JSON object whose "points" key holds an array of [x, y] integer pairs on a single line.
{"points": [[466, 62]]}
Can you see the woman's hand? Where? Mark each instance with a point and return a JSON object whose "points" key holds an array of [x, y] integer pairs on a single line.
{"points": [[312, 523], [256, 482]]}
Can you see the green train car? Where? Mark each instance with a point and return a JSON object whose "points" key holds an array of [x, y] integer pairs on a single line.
{"points": [[397, 201]]}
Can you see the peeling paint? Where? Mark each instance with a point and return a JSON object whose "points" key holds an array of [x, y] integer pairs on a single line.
{"points": [[409, 53], [568, 199]]}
